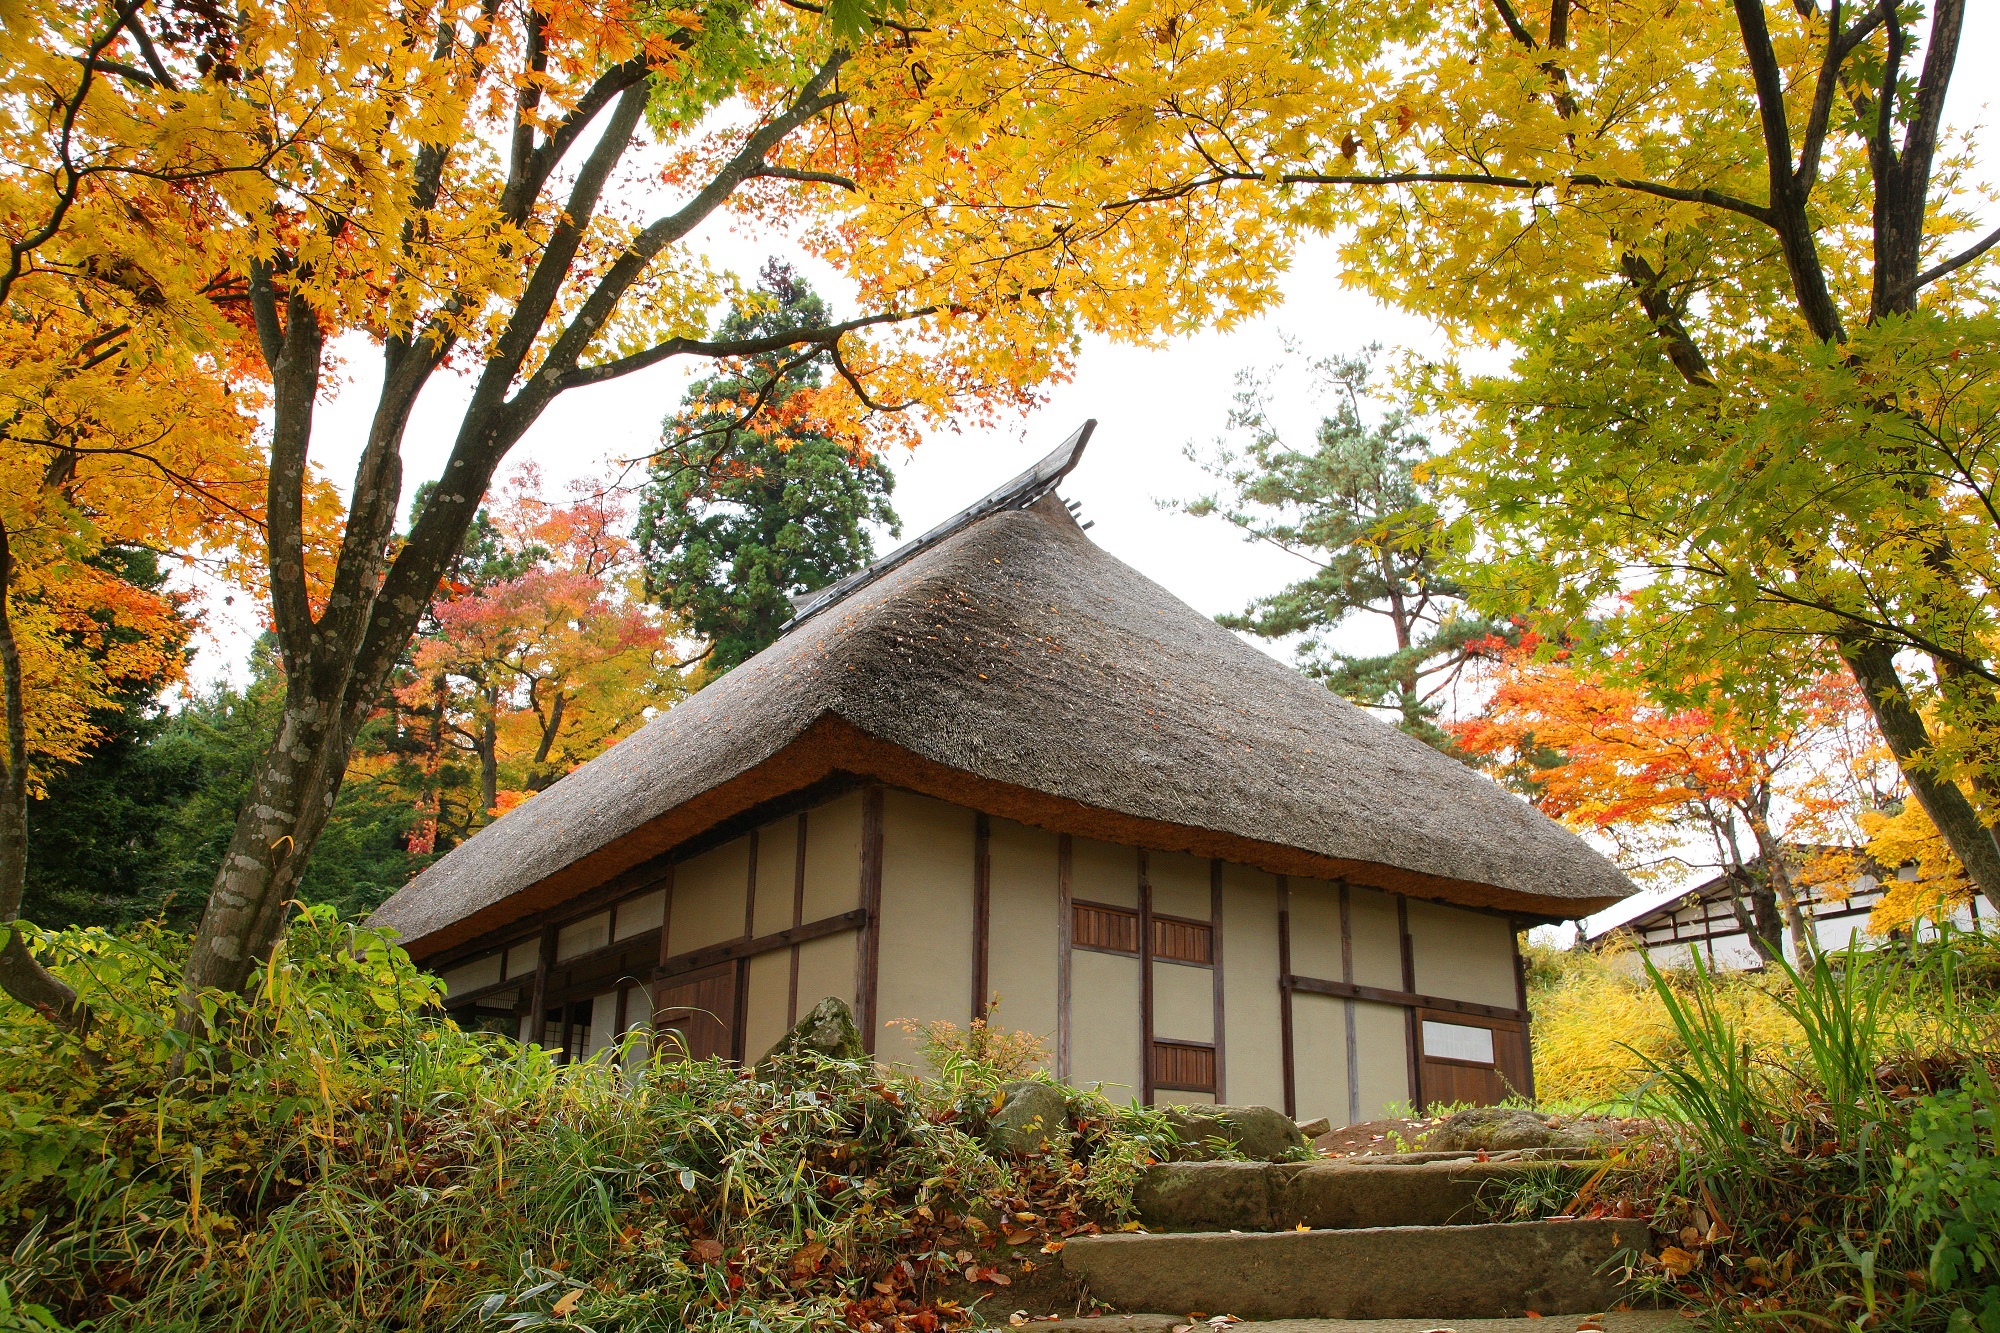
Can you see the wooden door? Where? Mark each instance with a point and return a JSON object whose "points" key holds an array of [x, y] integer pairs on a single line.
{"points": [[1461, 1059], [701, 1009]]}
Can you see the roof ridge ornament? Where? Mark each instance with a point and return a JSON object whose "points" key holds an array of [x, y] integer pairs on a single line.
{"points": [[1018, 493]]}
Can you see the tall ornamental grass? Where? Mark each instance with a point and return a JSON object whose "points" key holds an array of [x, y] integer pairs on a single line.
{"points": [[1834, 1168]]}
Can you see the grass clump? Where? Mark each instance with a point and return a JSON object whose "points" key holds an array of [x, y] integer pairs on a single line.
{"points": [[1824, 1154], [333, 1157]]}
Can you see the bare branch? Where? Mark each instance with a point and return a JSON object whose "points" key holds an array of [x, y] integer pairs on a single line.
{"points": [[767, 171], [1957, 261], [824, 337]]}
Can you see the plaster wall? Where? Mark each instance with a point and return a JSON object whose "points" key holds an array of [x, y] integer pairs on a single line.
{"points": [[1022, 937], [927, 921]]}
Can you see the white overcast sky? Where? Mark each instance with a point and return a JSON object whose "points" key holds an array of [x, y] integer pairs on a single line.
{"points": [[1149, 404]]}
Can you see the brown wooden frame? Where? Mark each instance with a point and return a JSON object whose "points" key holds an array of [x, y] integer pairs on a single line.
{"points": [[1167, 1046]]}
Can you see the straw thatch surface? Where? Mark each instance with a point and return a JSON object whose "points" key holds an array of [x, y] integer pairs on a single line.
{"points": [[1018, 654]]}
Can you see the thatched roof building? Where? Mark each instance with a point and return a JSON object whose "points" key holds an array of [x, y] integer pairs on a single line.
{"points": [[1009, 667]]}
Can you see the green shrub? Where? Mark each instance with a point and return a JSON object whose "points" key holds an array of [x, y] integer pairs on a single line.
{"points": [[336, 1157]]}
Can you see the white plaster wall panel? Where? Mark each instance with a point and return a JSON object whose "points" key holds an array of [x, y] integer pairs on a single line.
{"points": [[777, 861], [1104, 1023], [1381, 1034], [1378, 947], [833, 860], [826, 967], [764, 1009], [1180, 884], [580, 937], [522, 957], [1253, 1061], [1315, 929], [925, 968], [1103, 872], [1022, 939], [1319, 1056], [1463, 955], [473, 975], [641, 914], [708, 897], [1183, 1002], [603, 1031], [1176, 1097]]}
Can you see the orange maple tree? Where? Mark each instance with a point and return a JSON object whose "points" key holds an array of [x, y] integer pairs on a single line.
{"points": [[1759, 780], [537, 671]]}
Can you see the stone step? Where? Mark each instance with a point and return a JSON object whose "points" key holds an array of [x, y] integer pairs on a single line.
{"points": [[1494, 1270], [1616, 1321], [1376, 1192]]}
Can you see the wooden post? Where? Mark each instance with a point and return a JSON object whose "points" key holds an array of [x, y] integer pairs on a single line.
{"points": [[666, 951], [868, 945], [1521, 1003], [1347, 975], [1413, 1031], [798, 919], [1145, 983], [738, 1038], [1285, 994], [982, 912], [1215, 967], [1065, 939], [538, 994]]}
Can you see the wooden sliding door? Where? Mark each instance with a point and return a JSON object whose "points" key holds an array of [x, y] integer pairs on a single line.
{"points": [[699, 1010]]}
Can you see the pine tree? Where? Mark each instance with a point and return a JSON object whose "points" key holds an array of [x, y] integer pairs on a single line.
{"points": [[1358, 506], [734, 522]]}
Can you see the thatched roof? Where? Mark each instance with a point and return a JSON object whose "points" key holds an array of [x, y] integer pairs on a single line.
{"points": [[1018, 668]]}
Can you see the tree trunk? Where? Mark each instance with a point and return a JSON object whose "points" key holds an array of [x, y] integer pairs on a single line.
{"points": [[21, 973], [489, 753], [1873, 665]]}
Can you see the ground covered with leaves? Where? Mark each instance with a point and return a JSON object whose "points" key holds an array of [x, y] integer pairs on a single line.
{"points": [[332, 1158]]}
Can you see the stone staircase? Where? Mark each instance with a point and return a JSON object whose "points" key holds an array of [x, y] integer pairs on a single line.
{"points": [[1362, 1238]]}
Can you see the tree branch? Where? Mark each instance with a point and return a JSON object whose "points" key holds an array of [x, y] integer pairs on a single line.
{"points": [[1957, 261], [767, 171], [825, 336]]}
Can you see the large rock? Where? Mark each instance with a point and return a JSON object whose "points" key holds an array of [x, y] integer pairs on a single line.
{"points": [[828, 1030], [1258, 1132], [1031, 1115], [1503, 1129]]}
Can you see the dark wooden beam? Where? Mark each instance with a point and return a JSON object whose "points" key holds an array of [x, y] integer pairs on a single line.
{"points": [[730, 950], [1413, 1040], [868, 945], [1285, 994], [1215, 964], [737, 1037], [982, 911], [1521, 1002], [1347, 990], [538, 998], [1065, 937], [798, 919], [1145, 981], [1347, 1007]]}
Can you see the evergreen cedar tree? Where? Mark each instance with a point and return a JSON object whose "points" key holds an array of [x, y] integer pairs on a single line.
{"points": [[736, 519], [1731, 254], [1359, 504]]}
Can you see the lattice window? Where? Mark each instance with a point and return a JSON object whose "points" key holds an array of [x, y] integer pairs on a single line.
{"points": [[1182, 940], [1114, 929], [1183, 1066]]}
